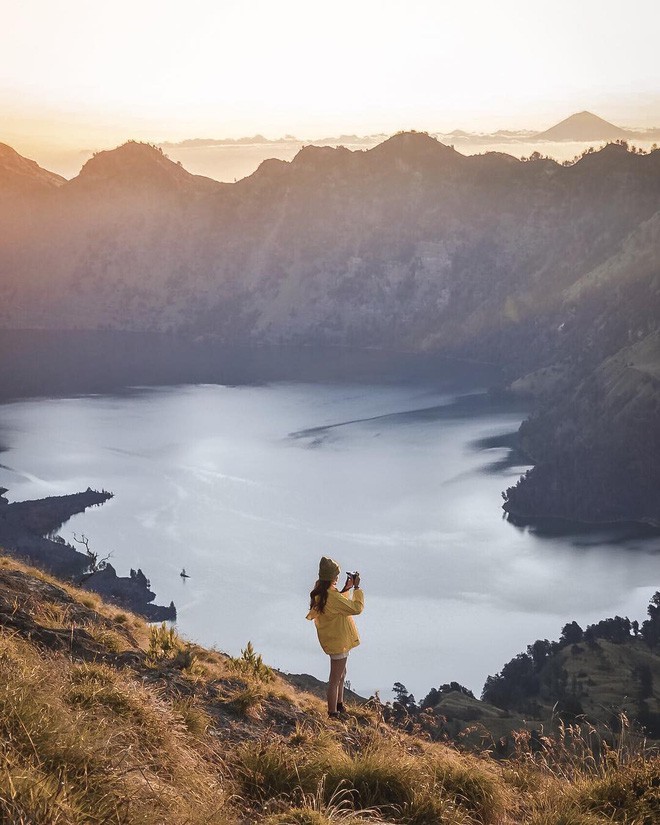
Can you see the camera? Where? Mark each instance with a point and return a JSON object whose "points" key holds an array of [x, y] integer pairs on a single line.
{"points": [[353, 575]]}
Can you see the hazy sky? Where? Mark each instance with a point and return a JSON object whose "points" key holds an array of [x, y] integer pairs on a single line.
{"points": [[90, 73]]}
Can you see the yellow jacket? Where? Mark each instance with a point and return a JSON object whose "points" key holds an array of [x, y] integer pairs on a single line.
{"points": [[335, 626]]}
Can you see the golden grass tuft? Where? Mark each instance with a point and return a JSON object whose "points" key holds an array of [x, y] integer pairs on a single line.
{"points": [[52, 614], [107, 638], [28, 795], [581, 778], [298, 816], [624, 792], [318, 809], [194, 718], [248, 700]]}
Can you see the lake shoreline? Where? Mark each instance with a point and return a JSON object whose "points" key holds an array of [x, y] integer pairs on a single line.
{"points": [[62, 363], [68, 362], [28, 533], [539, 521], [208, 478]]}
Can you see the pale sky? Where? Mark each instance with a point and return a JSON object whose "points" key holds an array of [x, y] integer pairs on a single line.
{"points": [[87, 73]]}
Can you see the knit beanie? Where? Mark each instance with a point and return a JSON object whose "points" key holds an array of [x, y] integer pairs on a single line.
{"points": [[328, 569]]}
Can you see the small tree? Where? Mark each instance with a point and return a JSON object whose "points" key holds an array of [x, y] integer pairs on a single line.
{"points": [[651, 627], [571, 634], [95, 564], [403, 698]]}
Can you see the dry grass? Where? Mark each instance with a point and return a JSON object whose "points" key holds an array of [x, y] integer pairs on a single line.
{"points": [[585, 776], [191, 736], [195, 718], [385, 775], [59, 612], [88, 744], [108, 639]]}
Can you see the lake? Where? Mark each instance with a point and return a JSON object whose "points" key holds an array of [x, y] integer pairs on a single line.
{"points": [[246, 486]]}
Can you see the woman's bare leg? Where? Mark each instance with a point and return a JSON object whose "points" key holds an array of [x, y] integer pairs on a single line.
{"points": [[340, 689], [337, 671]]}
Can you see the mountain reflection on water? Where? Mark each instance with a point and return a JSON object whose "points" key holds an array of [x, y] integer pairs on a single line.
{"points": [[246, 486]]}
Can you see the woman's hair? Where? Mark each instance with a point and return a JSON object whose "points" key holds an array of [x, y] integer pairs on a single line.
{"points": [[319, 595]]}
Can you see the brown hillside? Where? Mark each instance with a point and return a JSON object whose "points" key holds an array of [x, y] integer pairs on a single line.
{"points": [[106, 720]]}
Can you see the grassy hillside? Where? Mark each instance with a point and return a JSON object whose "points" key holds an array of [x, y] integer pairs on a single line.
{"points": [[104, 719], [589, 680]]}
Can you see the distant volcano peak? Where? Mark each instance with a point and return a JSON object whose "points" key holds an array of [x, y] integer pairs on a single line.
{"points": [[583, 126]]}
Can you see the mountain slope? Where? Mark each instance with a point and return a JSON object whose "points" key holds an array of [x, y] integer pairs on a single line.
{"points": [[105, 720], [596, 444], [20, 176], [409, 244], [603, 677], [610, 668]]}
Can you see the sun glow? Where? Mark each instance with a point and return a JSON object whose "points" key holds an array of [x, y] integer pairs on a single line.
{"points": [[81, 73]]}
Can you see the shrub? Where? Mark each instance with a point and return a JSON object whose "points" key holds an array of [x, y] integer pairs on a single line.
{"points": [[163, 643], [250, 663]]}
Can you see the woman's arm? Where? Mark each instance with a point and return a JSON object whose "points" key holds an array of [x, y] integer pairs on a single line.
{"points": [[346, 606]]}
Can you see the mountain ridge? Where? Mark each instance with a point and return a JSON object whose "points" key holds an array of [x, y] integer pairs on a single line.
{"points": [[407, 245]]}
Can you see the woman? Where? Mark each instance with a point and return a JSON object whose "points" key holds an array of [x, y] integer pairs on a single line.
{"points": [[333, 613]]}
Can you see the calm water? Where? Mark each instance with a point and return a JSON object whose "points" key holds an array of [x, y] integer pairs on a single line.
{"points": [[247, 486]]}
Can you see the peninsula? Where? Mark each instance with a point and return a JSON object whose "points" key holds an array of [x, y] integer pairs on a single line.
{"points": [[28, 531]]}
